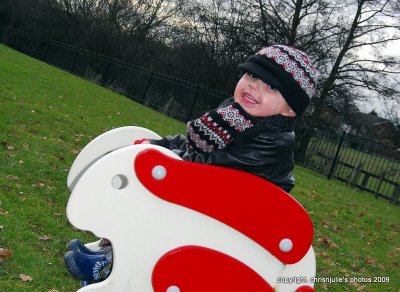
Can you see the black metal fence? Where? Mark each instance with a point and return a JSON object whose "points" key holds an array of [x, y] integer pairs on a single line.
{"points": [[174, 97], [370, 166]]}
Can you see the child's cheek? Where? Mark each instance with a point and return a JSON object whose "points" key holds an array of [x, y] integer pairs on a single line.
{"points": [[235, 98]]}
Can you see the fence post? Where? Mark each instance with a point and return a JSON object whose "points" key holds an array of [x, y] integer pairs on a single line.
{"points": [[193, 103], [337, 155], [381, 178], [147, 86], [301, 151], [107, 72], [395, 195], [364, 183], [74, 62], [46, 52], [357, 173]]}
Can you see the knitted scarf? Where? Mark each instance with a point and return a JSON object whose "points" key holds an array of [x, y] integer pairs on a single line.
{"points": [[218, 128]]}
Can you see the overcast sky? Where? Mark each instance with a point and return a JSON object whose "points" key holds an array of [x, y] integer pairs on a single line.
{"points": [[376, 104]]}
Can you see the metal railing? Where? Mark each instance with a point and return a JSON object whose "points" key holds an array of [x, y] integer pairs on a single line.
{"points": [[370, 166], [174, 97]]}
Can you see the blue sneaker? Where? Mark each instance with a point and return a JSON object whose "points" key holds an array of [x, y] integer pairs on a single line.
{"points": [[76, 244], [87, 267]]}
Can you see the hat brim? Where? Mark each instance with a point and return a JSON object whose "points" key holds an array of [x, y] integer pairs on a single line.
{"points": [[261, 73]]}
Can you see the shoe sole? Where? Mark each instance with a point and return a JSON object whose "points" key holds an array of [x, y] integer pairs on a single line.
{"points": [[71, 265]]}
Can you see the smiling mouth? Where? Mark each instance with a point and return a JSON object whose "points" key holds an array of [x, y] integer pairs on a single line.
{"points": [[249, 98]]}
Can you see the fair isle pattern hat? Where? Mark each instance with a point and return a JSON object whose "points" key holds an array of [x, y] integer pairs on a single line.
{"points": [[288, 70]]}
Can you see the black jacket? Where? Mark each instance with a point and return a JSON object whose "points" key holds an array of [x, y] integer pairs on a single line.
{"points": [[267, 153]]}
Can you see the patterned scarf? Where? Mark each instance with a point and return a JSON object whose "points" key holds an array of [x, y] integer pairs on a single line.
{"points": [[217, 129]]}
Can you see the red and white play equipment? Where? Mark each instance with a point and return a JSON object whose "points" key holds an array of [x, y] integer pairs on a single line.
{"points": [[178, 226]]}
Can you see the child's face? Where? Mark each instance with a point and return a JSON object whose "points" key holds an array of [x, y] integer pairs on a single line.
{"points": [[259, 100]]}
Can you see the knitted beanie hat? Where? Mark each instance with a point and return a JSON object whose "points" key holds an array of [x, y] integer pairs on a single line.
{"points": [[286, 69]]}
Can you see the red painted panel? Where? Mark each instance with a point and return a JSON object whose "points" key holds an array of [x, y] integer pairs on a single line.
{"points": [[250, 204], [305, 289], [199, 269]]}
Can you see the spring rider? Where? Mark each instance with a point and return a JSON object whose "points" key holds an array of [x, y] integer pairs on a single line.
{"points": [[178, 226]]}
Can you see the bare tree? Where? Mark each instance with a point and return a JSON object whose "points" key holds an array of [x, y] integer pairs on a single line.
{"points": [[391, 112], [334, 33], [373, 25], [205, 24], [127, 29], [228, 31]]}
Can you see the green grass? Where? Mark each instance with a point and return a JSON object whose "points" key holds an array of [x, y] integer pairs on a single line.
{"points": [[47, 116], [356, 235]]}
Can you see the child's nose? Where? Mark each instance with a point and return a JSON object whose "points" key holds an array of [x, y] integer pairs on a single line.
{"points": [[254, 83]]}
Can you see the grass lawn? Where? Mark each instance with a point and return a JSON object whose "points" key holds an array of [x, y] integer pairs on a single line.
{"points": [[47, 116]]}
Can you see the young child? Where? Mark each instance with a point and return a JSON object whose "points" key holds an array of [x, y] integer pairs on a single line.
{"points": [[251, 131]]}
